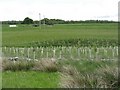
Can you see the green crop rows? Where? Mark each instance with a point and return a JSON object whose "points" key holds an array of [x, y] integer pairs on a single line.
{"points": [[61, 35]]}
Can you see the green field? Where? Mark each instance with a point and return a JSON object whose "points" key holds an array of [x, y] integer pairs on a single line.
{"points": [[30, 79], [64, 55], [23, 35]]}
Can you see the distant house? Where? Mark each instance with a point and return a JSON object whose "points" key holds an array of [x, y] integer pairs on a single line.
{"points": [[12, 25]]}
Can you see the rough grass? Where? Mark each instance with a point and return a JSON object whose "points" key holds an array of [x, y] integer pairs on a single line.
{"points": [[17, 65], [45, 65], [75, 79], [89, 74], [87, 66], [73, 74]]}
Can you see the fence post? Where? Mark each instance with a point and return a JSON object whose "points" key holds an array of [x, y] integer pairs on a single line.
{"points": [[33, 55], [54, 52], [42, 52], [60, 54], [78, 53], [17, 52], [90, 53], [47, 55], [28, 53]]}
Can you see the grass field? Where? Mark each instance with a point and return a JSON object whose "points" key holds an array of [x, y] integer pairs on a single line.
{"points": [[92, 64], [23, 35], [29, 79]]}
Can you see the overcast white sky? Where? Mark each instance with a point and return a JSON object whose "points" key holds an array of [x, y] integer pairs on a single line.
{"points": [[59, 9]]}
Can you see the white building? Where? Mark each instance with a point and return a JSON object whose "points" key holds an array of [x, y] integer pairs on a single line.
{"points": [[12, 25]]}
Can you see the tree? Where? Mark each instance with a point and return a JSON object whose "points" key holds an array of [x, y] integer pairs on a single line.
{"points": [[27, 20], [47, 21]]}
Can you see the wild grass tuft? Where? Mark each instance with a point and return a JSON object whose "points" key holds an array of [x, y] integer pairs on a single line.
{"points": [[47, 65], [105, 76], [17, 66]]}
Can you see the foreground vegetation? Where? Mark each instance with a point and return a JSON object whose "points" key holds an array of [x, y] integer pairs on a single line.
{"points": [[29, 79], [89, 74], [30, 74], [60, 73]]}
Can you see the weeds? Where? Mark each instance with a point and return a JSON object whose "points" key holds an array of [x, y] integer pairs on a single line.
{"points": [[46, 65], [102, 77], [17, 66]]}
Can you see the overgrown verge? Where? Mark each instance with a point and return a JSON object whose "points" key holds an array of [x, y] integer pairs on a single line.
{"points": [[73, 73], [17, 65], [46, 65], [103, 76]]}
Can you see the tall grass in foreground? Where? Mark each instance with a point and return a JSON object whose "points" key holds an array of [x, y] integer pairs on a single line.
{"points": [[17, 66], [73, 73], [104, 76], [45, 65]]}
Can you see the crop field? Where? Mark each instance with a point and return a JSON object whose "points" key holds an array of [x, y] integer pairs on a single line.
{"points": [[25, 35], [87, 53]]}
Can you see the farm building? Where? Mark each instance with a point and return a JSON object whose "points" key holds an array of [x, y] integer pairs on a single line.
{"points": [[12, 25]]}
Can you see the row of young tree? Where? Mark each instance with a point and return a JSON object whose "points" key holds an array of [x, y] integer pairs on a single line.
{"points": [[47, 21]]}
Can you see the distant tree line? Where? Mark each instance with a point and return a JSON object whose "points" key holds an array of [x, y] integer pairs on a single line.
{"points": [[47, 21]]}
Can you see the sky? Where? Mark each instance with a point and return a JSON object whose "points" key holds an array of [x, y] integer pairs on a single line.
{"points": [[59, 9]]}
